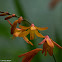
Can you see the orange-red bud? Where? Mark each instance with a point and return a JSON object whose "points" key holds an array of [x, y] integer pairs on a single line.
{"points": [[13, 15], [8, 17], [3, 14], [20, 19]]}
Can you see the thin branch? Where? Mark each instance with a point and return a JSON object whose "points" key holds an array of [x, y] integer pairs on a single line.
{"points": [[17, 17]]}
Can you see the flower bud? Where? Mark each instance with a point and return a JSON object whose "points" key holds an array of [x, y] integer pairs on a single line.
{"points": [[20, 19], [3, 14]]}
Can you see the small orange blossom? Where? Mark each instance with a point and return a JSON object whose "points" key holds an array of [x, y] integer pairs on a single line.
{"points": [[48, 45], [29, 55], [32, 30]]}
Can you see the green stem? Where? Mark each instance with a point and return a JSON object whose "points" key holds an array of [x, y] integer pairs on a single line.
{"points": [[54, 58]]}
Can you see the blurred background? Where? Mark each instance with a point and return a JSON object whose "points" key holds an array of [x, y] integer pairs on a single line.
{"points": [[39, 13]]}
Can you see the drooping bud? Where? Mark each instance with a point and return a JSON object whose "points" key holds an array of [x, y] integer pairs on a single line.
{"points": [[8, 17], [14, 26], [13, 15], [3, 14], [20, 19]]}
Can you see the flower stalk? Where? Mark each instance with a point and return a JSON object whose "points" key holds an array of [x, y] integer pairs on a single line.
{"points": [[23, 31]]}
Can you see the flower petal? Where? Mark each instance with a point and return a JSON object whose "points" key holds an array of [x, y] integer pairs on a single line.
{"points": [[24, 33], [14, 26], [32, 34], [26, 39], [27, 58], [50, 43], [29, 55], [23, 27], [16, 34], [57, 44], [45, 52], [30, 43], [42, 42], [39, 34], [39, 28], [50, 51], [45, 46], [17, 31]]}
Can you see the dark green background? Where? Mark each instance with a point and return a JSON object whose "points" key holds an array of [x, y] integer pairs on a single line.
{"points": [[37, 12]]}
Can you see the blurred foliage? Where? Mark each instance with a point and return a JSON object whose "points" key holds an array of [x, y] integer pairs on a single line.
{"points": [[37, 12]]}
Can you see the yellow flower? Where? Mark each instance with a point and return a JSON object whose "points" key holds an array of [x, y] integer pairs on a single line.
{"points": [[32, 30], [29, 55], [48, 45], [16, 31]]}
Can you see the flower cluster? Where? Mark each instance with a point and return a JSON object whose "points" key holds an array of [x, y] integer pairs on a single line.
{"points": [[23, 31]]}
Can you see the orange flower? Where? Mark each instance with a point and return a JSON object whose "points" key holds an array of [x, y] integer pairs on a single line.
{"points": [[32, 30], [48, 45], [16, 31], [29, 55], [14, 25]]}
